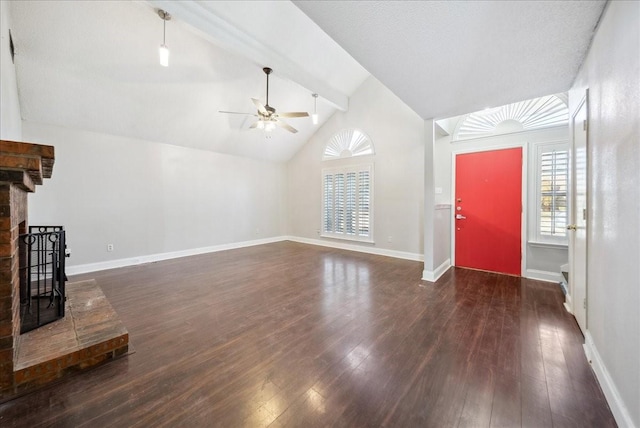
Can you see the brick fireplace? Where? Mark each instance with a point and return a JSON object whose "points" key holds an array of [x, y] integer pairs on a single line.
{"points": [[22, 167], [48, 353]]}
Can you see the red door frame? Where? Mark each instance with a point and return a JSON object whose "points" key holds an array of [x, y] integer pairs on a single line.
{"points": [[523, 219]]}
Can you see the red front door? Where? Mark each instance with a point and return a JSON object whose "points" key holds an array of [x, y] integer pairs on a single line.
{"points": [[488, 210]]}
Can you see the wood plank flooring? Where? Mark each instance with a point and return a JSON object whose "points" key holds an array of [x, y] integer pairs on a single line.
{"points": [[288, 334]]}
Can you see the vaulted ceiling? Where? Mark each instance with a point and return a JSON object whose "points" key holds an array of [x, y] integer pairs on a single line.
{"points": [[445, 58], [94, 65]]}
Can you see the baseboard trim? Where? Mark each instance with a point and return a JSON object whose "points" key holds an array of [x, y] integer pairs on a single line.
{"points": [[567, 304], [433, 276], [133, 261], [543, 275], [360, 248], [618, 408]]}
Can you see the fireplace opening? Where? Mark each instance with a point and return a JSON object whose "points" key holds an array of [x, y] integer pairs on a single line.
{"points": [[42, 276]]}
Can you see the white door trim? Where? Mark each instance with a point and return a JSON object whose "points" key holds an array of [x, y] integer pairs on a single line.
{"points": [[576, 302]]}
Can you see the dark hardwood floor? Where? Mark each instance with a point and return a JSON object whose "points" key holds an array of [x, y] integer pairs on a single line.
{"points": [[288, 334]]}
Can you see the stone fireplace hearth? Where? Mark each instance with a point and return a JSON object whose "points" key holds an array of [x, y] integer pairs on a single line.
{"points": [[89, 334]]}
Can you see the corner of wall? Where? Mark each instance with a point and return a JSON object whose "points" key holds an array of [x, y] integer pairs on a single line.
{"points": [[434, 275], [10, 117], [618, 408]]}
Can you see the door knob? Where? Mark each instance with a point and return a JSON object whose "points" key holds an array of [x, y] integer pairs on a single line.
{"points": [[572, 227], [460, 217]]}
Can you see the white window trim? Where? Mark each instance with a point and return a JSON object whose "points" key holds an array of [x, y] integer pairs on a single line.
{"points": [[344, 169], [537, 237]]}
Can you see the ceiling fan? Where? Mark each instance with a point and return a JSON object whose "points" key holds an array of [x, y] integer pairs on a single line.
{"points": [[267, 116]]}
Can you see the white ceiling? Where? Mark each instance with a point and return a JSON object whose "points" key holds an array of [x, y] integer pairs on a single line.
{"points": [[93, 65], [445, 58]]}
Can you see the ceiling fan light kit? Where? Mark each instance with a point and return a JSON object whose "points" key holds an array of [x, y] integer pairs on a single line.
{"points": [[164, 49], [267, 116]]}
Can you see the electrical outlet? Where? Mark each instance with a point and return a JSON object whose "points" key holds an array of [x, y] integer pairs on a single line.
{"points": [[109, 247], [389, 238]]}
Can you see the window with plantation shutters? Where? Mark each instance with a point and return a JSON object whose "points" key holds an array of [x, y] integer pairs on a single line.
{"points": [[346, 202], [553, 161]]}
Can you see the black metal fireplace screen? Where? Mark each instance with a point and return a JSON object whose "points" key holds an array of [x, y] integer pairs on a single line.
{"points": [[42, 276]]}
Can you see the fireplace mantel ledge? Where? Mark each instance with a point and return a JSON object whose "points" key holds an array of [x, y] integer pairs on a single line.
{"points": [[18, 159]]}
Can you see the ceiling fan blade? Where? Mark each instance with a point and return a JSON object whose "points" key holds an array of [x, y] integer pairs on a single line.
{"points": [[259, 105], [289, 128], [254, 125], [237, 112], [294, 114]]}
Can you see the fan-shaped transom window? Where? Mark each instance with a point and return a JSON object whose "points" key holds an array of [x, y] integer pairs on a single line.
{"points": [[348, 143], [538, 113]]}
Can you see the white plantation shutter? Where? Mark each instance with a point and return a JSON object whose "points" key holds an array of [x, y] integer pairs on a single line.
{"points": [[364, 196], [350, 204], [346, 206], [552, 191], [327, 215], [338, 202]]}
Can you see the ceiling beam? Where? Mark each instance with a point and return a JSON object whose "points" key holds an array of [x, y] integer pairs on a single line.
{"points": [[217, 30]]}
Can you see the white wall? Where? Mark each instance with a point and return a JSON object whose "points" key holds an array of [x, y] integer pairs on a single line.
{"points": [[442, 237], [150, 198], [437, 217], [10, 122], [397, 134], [542, 261], [611, 71]]}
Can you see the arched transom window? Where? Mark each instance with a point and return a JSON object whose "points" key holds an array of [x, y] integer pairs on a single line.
{"points": [[527, 115], [348, 143]]}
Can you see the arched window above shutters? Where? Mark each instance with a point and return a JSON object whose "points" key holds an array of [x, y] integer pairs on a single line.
{"points": [[527, 115], [348, 143]]}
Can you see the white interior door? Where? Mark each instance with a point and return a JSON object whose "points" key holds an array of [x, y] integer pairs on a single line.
{"points": [[579, 215]]}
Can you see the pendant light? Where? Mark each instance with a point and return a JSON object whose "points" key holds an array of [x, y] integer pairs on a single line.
{"points": [[164, 49], [314, 116]]}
